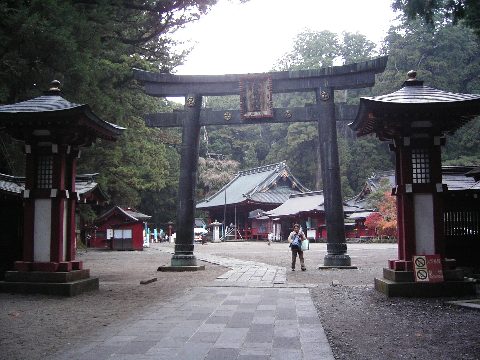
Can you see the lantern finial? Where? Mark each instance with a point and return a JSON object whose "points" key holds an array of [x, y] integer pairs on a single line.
{"points": [[412, 75], [54, 88]]}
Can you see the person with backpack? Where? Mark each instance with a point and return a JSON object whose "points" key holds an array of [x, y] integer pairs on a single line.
{"points": [[295, 240]]}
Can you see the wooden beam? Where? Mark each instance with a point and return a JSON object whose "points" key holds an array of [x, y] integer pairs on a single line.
{"points": [[358, 75], [308, 113]]}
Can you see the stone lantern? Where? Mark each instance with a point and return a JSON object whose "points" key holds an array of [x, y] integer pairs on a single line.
{"points": [[53, 131], [415, 120], [216, 231]]}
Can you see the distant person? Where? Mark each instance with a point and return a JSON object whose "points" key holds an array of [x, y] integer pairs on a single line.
{"points": [[270, 238], [295, 240]]}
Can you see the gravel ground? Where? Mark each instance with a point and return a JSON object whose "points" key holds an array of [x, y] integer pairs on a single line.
{"points": [[360, 323]]}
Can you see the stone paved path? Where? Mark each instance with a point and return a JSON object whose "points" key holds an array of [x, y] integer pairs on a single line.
{"points": [[250, 312]]}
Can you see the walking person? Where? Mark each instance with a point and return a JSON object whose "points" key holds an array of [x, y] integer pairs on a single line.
{"points": [[295, 239]]}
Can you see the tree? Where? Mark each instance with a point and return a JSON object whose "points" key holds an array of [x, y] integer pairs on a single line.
{"points": [[91, 46], [448, 59], [385, 220], [438, 11]]}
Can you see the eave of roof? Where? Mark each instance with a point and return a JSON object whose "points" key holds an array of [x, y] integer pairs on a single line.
{"points": [[298, 203], [388, 114], [53, 107]]}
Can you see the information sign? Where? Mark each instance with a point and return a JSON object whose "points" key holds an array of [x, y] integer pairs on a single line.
{"points": [[428, 268]]}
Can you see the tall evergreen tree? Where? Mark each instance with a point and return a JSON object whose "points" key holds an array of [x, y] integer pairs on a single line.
{"points": [[91, 46]]}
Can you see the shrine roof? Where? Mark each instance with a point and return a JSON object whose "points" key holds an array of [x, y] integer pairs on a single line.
{"points": [[55, 110], [457, 178], [271, 184], [360, 215], [298, 203], [312, 201], [13, 185], [393, 114], [85, 186], [128, 213]]}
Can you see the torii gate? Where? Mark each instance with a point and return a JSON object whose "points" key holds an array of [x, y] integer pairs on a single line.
{"points": [[255, 91]]}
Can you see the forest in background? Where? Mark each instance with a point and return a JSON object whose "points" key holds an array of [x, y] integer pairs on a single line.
{"points": [[91, 46]]}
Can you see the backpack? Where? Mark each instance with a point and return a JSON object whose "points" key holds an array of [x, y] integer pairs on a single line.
{"points": [[296, 242]]}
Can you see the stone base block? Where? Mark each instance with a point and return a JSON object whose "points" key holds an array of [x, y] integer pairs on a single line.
{"points": [[332, 260], [51, 283], [181, 268], [63, 289], [398, 276], [323, 267], [418, 289], [46, 277], [408, 276], [183, 260]]}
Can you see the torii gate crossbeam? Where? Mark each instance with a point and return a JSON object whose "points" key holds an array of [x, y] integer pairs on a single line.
{"points": [[323, 82]]}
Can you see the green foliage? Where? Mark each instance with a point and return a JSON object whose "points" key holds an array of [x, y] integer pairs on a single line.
{"points": [[448, 59], [437, 12], [311, 50], [91, 47], [213, 174]]}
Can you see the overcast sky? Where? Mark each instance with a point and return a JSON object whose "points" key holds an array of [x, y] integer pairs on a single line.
{"points": [[250, 37]]}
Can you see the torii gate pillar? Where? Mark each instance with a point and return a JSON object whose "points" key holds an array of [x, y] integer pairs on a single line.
{"points": [[185, 222], [327, 134]]}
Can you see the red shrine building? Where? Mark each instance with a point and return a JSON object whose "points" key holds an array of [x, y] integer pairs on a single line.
{"points": [[415, 120], [53, 131], [120, 229]]}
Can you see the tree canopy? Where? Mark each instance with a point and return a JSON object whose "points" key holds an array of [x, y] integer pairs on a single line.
{"points": [[91, 46], [435, 11]]}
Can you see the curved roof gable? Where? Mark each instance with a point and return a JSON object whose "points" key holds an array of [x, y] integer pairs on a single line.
{"points": [[266, 184]]}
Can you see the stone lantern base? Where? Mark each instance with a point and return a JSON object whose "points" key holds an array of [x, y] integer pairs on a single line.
{"points": [[69, 283], [402, 284]]}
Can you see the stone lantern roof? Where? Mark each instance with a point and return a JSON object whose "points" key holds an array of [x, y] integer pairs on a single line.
{"points": [[413, 107], [52, 117]]}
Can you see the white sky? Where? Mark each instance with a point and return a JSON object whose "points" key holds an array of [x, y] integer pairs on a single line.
{"points": [[249, 38]]}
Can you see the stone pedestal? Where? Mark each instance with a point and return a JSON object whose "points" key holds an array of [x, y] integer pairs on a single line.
{"points": [[337, 261], [402, 284], [69, 283]]}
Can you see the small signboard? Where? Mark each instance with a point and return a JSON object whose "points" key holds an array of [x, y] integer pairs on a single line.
{"points": [[428, 268]]}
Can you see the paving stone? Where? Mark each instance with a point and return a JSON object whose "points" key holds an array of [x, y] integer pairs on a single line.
{"points": [[287, 354], [204, 337], [222, 354], [243, 314], [135, 347], [231, 338], [193, 351], [283, 342]]}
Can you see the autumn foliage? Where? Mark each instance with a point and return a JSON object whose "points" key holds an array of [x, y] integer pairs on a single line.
{"points": [[385, 220]]}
